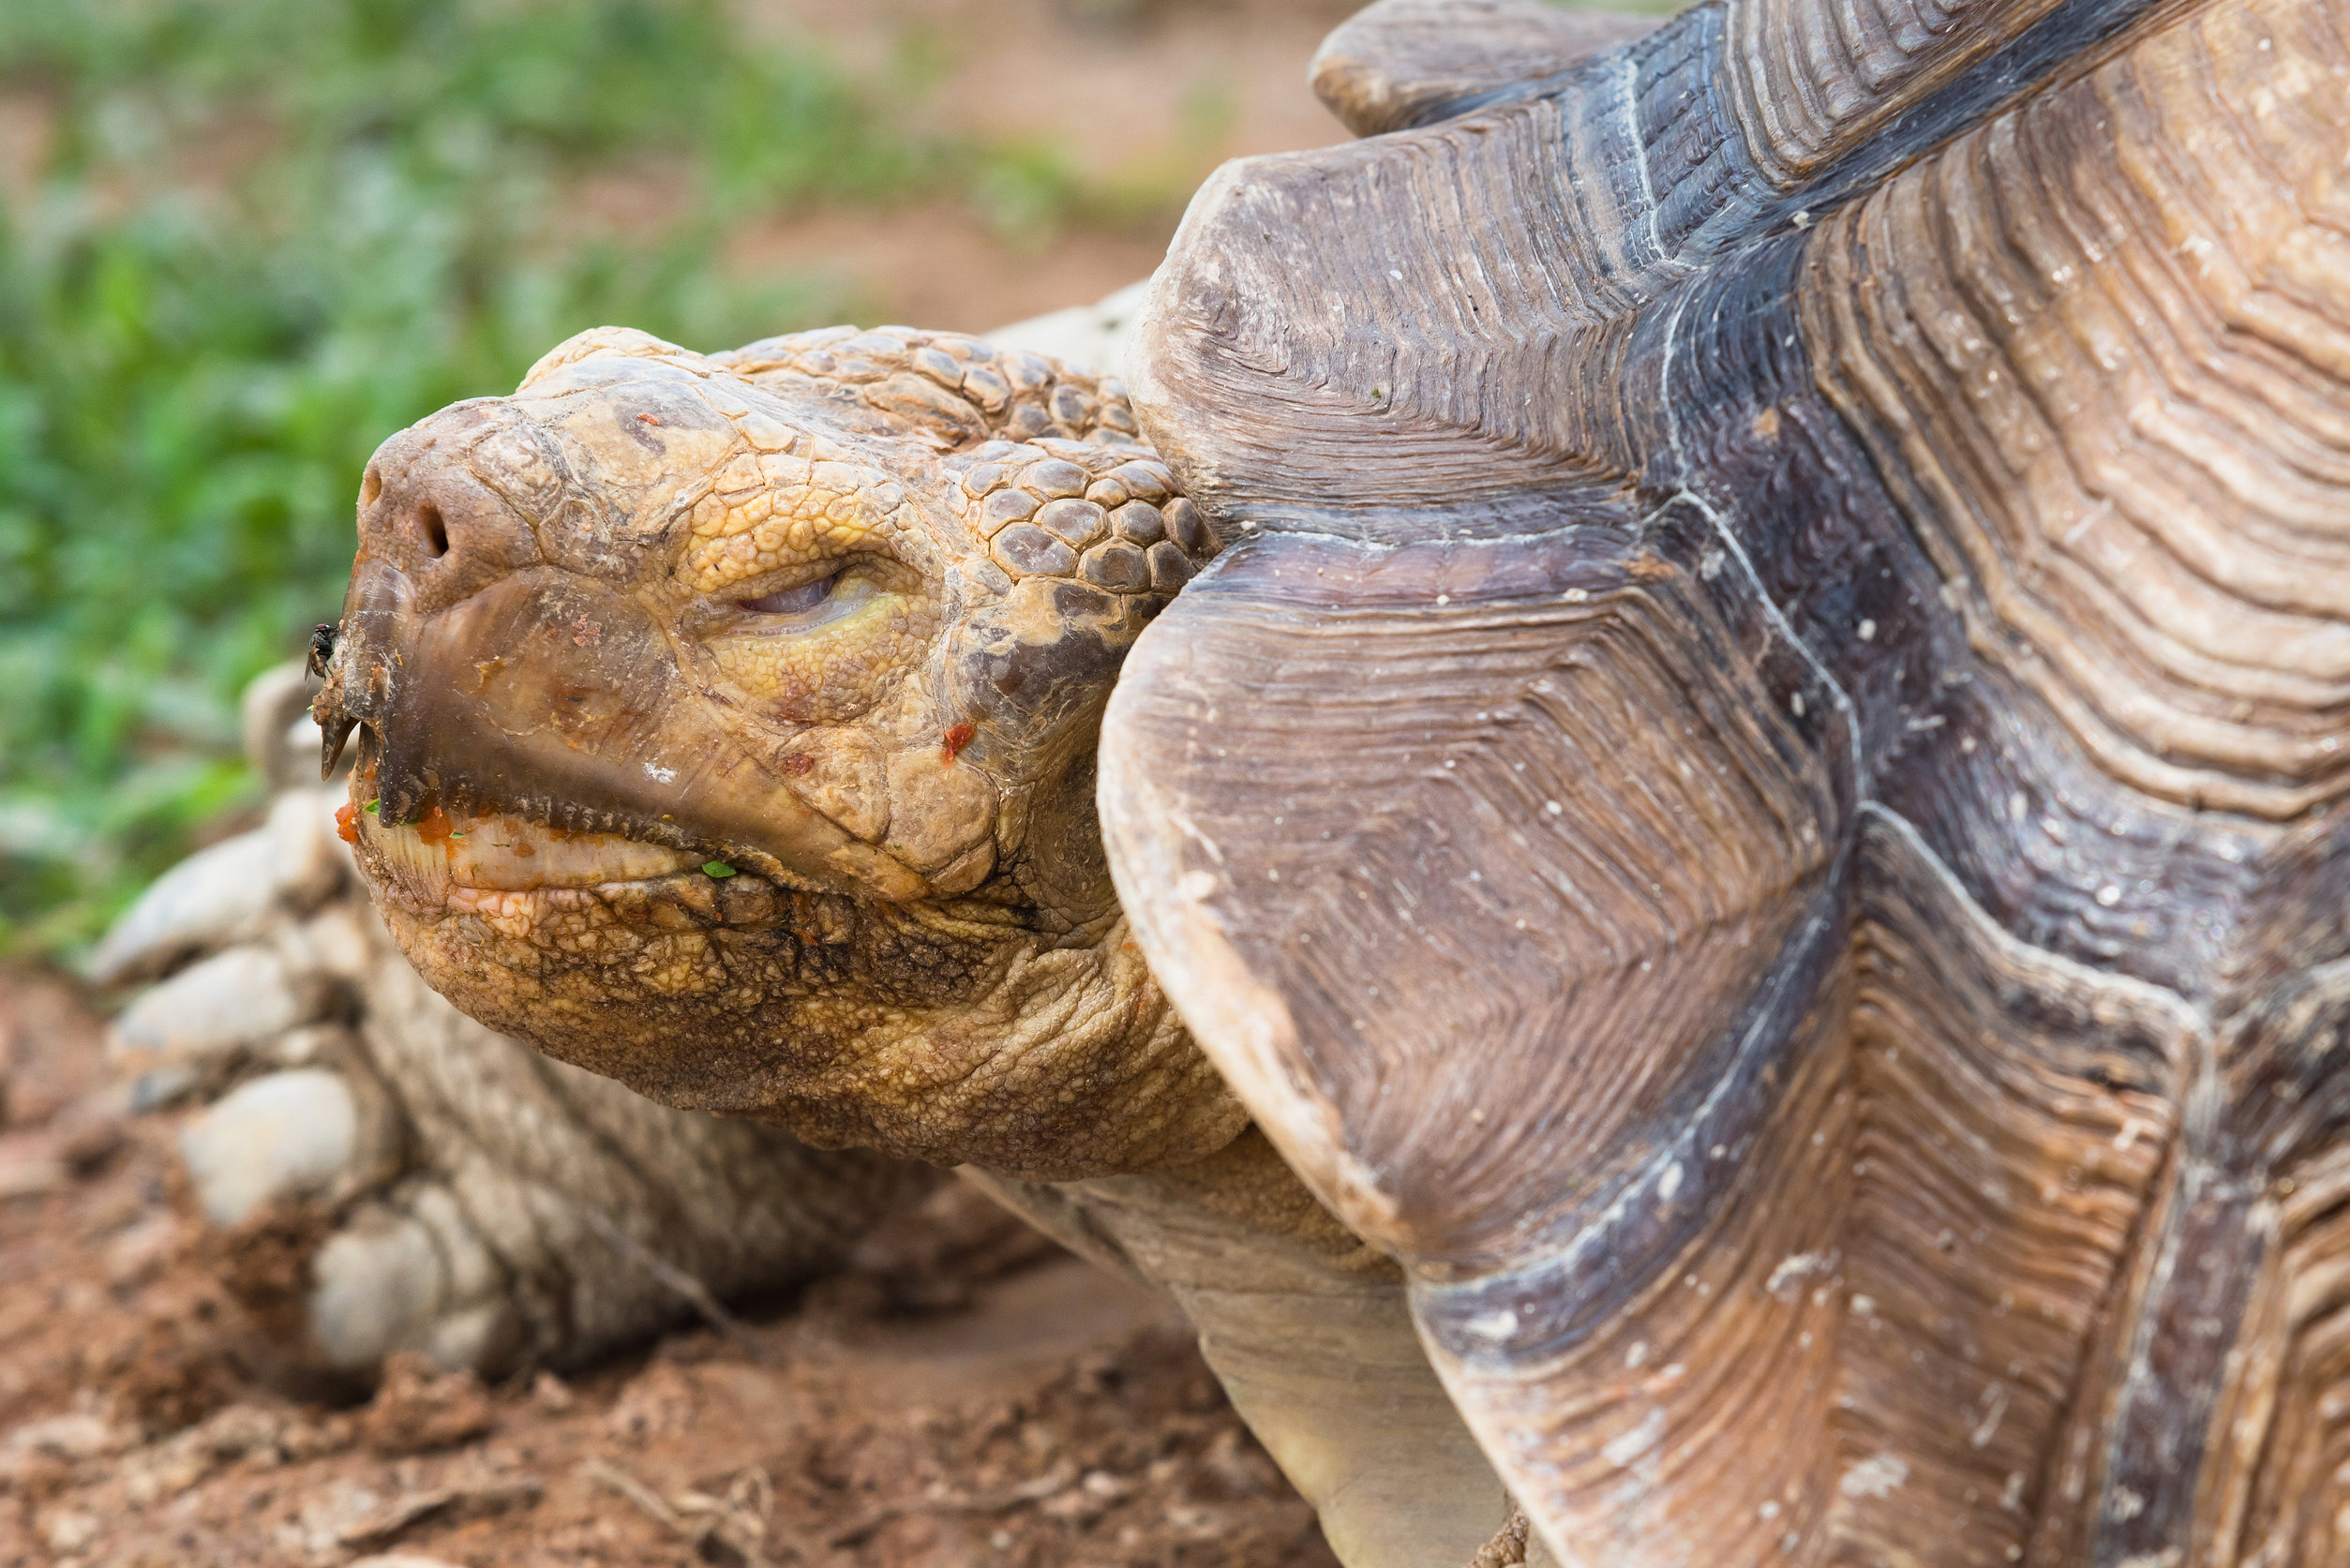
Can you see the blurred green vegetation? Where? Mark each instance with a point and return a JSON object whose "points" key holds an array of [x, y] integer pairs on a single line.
{"points": [[269, 232]]}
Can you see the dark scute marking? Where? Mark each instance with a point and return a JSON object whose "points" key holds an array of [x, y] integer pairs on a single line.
{"points": [[1140, 521], [1170, 568], [1697, 157], [1076, 603], [1032, 552], [1119, 566], [1078, 522], [2072, 33], [1610, 1248]]}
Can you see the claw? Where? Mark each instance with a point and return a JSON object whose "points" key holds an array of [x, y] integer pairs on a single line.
{"points": [[334, 733], [281, 1135], [326, 709]]}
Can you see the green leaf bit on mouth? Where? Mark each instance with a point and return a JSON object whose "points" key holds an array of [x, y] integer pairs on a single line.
{"points": [[374, 808], [717, 868]]}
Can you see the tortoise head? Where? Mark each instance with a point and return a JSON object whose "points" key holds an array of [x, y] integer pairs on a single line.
{"points": [[727, 723]]}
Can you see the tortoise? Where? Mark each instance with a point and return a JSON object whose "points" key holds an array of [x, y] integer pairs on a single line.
{"points": [[1675, 863]]}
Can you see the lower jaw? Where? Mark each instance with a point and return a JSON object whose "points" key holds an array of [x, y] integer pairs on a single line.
{"points": [[611, 913], [603, 919], [447, 854], [448, 851]]}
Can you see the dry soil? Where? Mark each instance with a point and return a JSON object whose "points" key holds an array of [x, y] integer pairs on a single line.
{"points": [[964, 1394]]}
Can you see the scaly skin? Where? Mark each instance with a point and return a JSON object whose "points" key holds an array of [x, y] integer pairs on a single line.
{"points": [[811, 615]]}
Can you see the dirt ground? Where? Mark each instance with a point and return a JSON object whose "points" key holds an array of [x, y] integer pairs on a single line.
{"points": [[964, 1394]]}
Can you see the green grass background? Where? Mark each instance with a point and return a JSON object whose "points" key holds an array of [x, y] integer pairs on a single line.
{"points": [[196, 361], [193, 369]]}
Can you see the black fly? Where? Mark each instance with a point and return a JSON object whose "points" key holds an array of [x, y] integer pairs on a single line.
{"points": [[322, 647]]}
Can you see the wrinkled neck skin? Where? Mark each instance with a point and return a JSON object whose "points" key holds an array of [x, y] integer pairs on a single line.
{"points": [[1016, 1027]]}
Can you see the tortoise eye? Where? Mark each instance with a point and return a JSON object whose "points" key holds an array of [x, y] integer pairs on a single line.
{"points": [[792, 601], [825, 649]]}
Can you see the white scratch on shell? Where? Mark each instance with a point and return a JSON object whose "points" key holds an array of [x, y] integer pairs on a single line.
{"points": [[1876, 1476], [1628, 1447]]}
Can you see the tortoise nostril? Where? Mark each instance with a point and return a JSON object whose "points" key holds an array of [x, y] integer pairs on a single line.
{"points": [[371, 486], [436, 534]]}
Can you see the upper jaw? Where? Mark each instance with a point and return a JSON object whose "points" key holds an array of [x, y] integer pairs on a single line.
{"points": [[547, 689]]}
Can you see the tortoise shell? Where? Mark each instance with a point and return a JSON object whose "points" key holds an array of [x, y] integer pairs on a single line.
{"points": [[1758, 792]]}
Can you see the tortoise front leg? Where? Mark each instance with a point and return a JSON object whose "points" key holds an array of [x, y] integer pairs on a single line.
{"points": [[1310, 1333]]}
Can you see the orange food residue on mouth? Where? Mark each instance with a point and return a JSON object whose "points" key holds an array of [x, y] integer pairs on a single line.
{"points": [[958, 738], [434, 826], [347, 823]]}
